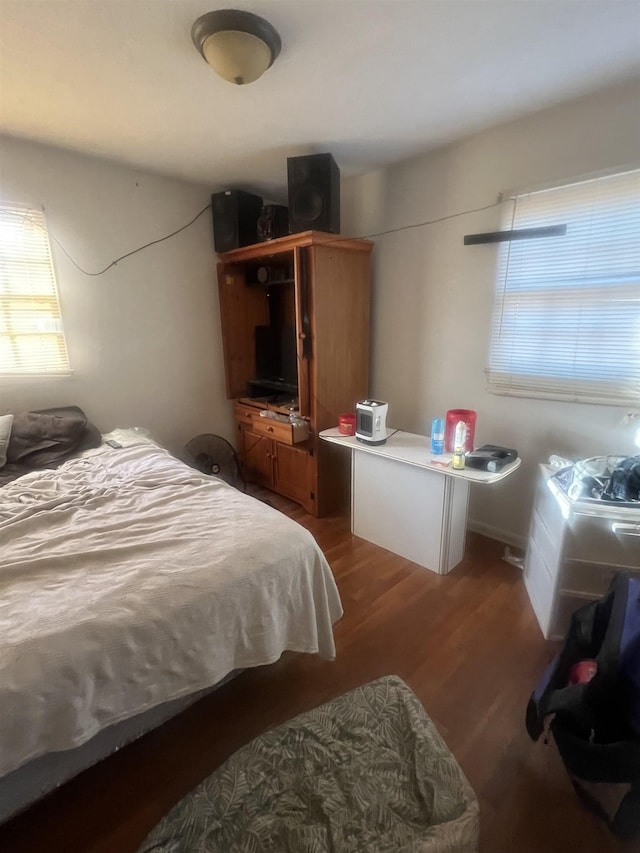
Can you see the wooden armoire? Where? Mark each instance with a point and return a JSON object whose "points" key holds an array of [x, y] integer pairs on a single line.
{"points": [[295, 332]]}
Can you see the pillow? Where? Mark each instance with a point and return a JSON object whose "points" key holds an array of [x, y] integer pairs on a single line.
{"points": [[91, 437], [6, 422], [39, 439]]}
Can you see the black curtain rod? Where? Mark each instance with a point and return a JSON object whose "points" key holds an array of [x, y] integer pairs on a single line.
{"points": [[518, 234]]}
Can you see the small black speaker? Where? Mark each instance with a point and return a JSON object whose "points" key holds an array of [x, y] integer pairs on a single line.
{"points": [[235, 218], [314, 193], [273, 222]]}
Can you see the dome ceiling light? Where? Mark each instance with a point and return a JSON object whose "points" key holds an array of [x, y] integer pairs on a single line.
{"points": [[239, 46]]}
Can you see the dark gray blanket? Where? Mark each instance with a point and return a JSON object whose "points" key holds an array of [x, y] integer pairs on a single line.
{"points": [[366, 772], [45, 439]]}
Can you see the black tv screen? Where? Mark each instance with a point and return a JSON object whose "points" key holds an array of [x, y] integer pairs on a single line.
{"points": [[289, 355], [276, 357]]}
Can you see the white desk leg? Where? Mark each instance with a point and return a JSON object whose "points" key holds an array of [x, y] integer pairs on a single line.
{"points": [[415, 512], [454, 532], [353, 491]]}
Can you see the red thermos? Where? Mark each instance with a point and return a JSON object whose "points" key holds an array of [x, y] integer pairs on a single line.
{"points": [[452, 418]]}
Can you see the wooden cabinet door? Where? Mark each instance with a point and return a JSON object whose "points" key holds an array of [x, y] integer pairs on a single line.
{"points": [[291, 472], [242, 308], [303, 328], [339, 317], [258, 458]]}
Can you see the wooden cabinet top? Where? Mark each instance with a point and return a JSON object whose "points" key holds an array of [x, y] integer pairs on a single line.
{"points": [[293, 241]]}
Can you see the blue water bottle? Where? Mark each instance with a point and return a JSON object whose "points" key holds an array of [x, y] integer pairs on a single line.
{"points": [[437, 436]]}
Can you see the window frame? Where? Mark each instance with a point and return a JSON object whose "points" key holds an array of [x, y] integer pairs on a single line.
{"points": [[32, 301], [520, 290]]}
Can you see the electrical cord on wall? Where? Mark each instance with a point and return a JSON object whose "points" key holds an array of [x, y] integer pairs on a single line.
{"points": [[434, 221], [335, 242], [133, 251]]}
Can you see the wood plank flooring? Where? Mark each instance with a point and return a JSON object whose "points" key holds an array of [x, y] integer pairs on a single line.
{"points": [[469, 646]]}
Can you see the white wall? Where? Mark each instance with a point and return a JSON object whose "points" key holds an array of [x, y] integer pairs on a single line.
{"points": [[143, 338], [432, 296]]}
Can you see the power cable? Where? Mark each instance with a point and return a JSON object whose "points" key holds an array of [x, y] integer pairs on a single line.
{"points": [[327, 243], [434, 221], [134, 251]]}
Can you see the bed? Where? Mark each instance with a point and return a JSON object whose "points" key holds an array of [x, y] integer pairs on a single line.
{"points": [[130, 584]]}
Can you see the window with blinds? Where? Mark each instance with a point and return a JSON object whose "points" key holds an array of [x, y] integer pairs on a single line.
{"points": [[31, 335], [566, 321]]}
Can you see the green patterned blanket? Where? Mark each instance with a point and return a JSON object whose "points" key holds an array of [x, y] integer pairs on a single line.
{"points": [[365, 772]]}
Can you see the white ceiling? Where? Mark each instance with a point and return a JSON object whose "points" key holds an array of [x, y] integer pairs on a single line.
{"points": [[372, 81]]}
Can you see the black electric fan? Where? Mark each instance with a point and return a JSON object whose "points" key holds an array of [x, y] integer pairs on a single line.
{"points": [[213, 454]]}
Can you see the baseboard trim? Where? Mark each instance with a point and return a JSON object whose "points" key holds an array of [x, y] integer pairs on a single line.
{"points": [[497, 533]]}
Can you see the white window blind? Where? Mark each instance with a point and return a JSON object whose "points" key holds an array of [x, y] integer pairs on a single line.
{"points": [[566, 321], [31, 335]]}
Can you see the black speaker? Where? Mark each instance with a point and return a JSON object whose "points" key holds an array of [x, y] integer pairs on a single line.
{"points": [[235, 218], [273, 222], [314, 193]]}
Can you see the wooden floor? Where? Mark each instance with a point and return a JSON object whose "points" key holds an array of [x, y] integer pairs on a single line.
{"points": [[467, 644]]}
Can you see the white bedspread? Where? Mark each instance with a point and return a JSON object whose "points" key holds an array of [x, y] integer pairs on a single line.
{"points": [[128, 579]]}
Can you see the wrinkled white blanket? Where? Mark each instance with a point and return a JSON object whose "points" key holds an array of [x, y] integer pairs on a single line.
{"points": [[128, 579]]}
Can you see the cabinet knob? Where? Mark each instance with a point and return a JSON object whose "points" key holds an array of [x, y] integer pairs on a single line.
{"points": [[302, 336], [269, 429]]}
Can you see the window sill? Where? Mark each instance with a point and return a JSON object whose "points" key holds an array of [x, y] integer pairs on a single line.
{"points": [[12, 378]]}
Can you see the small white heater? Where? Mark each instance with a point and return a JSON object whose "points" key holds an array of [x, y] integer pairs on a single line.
{"points": [[371, 421]]}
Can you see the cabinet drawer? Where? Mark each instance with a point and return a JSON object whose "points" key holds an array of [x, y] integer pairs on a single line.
{"points": [[550, 550], [549, 510], [245, 414], [540, 585], [590, 579], [280, 431], [602, 540]]}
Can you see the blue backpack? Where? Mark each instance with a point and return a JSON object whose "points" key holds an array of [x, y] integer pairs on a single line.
{"points": [[596, 725]]}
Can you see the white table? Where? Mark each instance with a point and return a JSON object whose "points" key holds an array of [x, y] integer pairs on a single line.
{"points": [[408, 501]]}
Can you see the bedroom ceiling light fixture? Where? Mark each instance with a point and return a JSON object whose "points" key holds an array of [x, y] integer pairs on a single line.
{"points": [[239, 46]]}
